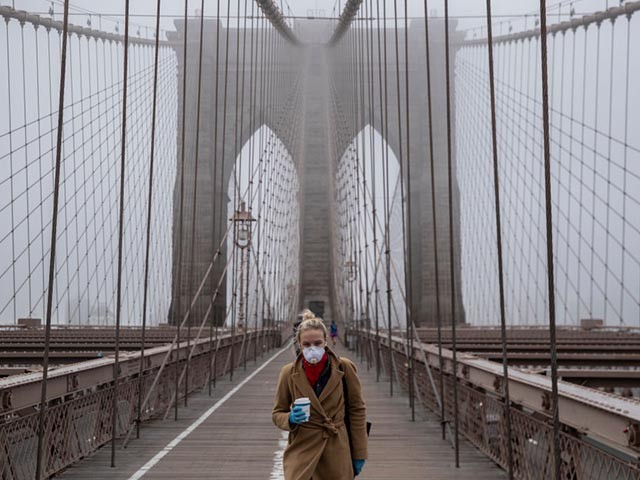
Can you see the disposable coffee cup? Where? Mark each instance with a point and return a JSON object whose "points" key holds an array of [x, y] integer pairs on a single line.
{"points": [[305, 404]]}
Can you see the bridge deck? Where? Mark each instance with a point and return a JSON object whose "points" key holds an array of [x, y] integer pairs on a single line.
{"points": [[238, 440]]}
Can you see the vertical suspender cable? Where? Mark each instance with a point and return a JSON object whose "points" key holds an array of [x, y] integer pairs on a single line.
{"points": [[66, 207], [244, 287], [381, 90], [195, 197], [39, 116], [401, 174], [149, 210], [26, 160], [351, 192], [85, 181], [374, 203], [52, 256], [409, 260], [221, 202], [252, 153], [626, 155], [451, 244], [594, 173], [503, 325], [256, 152], [116, 366], [177, 310], [260, 216], [265, 101], [237, 175], [549, 226], [365, 190], [609, 153], [583, 128], [387, 201], [360, 194], [352, 247], [274, 113], [434, 219], [347, 224], [11, 172], [370, 289], [236, 169], [214, 241], [356, 108], [363, 223]]}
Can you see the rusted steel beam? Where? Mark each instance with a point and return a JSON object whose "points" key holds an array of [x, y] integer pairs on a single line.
{"points": [[605, 417], [31, 346], [598, 373], [349, 13], [21, 392], [608, 378], [274, 15], [472, 337], [567, 359], [481, 348], [611, 14], [538, 331]]}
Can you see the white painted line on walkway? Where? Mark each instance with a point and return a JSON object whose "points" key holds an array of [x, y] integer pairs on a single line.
{"points": [[277, 472], [176, 441]]}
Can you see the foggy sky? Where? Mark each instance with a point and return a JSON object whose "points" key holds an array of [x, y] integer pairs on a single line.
{"points": [[112, 14], [175, 8]]}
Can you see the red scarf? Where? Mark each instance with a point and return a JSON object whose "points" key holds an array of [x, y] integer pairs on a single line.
{"points": [[313, 372]]}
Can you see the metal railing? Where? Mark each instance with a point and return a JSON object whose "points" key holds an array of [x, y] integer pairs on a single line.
{"points": [[80, 399], [598, 430]]}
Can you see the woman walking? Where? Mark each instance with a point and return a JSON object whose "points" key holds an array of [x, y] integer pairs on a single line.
{"points": [[327, 441]]}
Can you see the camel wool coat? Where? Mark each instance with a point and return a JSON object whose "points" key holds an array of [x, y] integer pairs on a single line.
{"points": [[319, 449]]}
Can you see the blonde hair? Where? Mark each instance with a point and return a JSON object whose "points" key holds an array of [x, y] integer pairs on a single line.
{"points": [[310, 322]]}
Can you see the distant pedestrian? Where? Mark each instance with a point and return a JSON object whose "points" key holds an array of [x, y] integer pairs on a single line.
{"points": [[320, 446], [333, 332]]}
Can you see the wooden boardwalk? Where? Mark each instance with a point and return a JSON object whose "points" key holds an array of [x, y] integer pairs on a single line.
{"points": [[238, 441]]}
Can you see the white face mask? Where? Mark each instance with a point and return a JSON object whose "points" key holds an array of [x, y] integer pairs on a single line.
{"points": [[313, 354]]}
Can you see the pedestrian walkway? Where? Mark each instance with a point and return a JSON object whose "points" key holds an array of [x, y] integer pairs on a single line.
{"points": [[230, 436], [402, 449]]}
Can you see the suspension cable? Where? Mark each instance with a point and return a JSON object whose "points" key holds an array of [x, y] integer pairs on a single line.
{"points": [[451, 237], [178, 281], [434, 219], [503, 325], [557, 452], [149, 218], [116, 366], [52, 255], [351, 8], [213, 361], [195, 192], [387, 203], [274, 15], [409, 220], [402, 169]]}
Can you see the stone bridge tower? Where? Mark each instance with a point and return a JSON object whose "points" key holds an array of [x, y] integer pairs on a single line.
{"points": [[311, 64]]}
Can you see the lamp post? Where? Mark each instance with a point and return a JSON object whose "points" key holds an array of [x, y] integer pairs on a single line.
{"points": [[242, 221], [352, 274]]}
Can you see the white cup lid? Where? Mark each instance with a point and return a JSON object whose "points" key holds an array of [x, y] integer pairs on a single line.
{"points": [[301, 401]]}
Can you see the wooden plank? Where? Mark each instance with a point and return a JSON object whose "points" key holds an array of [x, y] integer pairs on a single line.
{"points": [[400, 448], [236, 440], [239, 441]]}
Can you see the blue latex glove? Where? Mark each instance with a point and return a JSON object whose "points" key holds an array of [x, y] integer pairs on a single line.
{"points": [[358, 465], [297, 415]]}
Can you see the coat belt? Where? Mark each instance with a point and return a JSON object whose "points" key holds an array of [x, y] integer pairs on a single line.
{"points": [[328, 425]]}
